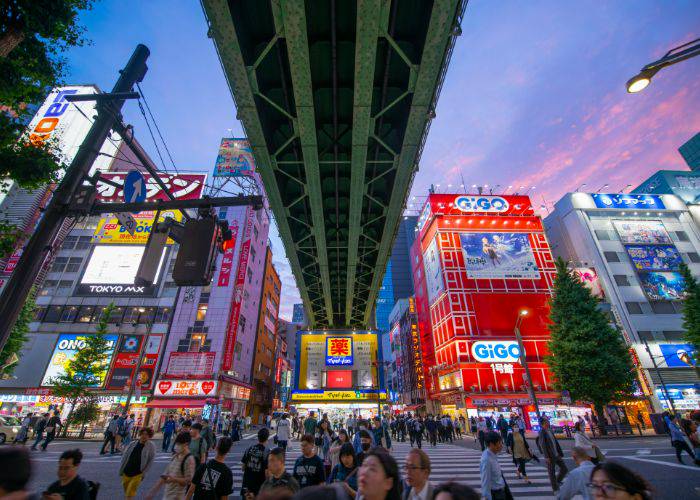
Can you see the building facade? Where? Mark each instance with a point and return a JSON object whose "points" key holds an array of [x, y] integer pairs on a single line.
{"points": [[630, 247], [298, 315], [690, 151], [478, 261], [682, 183], [264, 367], [407, 355]]}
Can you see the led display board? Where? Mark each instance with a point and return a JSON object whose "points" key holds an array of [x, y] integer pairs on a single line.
{"points": [[109, 231], [654, 257], [498, 255], [641, 201], [641, 231], [66, 348], [662, 285]]}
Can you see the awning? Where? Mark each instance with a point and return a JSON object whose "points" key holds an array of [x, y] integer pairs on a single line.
{"points": [[176, 403]]}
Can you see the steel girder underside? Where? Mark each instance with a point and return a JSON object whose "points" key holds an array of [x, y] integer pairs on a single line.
{"points": [[336, 98]]}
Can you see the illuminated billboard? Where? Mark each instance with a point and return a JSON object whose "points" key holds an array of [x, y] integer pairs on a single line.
{"points": [[182, 186], [678, 355], [641, 231], [654, 257], [66, 348], [641, 201], [235, 158], [498, 255], [433, 271], [111, 270], [662, 285], [109, 231], [126, 360], [590, 279], [320, 354]]}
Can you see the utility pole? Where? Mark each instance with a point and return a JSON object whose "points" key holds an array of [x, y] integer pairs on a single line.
{"points": [[39, 245], [523, 361], [661, 378], [139, 362]]}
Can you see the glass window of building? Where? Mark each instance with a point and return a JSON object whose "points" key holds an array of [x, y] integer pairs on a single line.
{"points": [[131, 314], [83, 242], [59, 264], [201, 312], [69, 314], [197, 342], [682, 236], [48, 287], [633, 307], [146, 315], [64, 287], [73, 265], [249, 273], [39, 313], [117, 315], [69, 242], [162, 315], [85, 314], [169, 289], [53, 314], [693, 257], [611, 256], [621, 280], [662, 307]]}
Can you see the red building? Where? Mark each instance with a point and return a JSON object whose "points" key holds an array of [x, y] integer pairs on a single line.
{"points": [[477, 262]]}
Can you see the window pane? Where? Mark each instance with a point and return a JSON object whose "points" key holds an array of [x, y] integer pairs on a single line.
{"points": [[69, 242], [59, 264], [117, 314], [85, 314], [201, 312], [53, 314], [163, 315], [69, 314], [131, 315], [611, 256], [48, 288], [39, 313], [147, 315], [83, 243], [633, 307]]}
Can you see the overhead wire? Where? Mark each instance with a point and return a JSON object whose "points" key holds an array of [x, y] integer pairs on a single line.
{"points": [[155, 123]]}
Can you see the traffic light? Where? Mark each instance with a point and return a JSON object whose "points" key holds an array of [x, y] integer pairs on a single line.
{"points": [[194, 265], [226, 237]]}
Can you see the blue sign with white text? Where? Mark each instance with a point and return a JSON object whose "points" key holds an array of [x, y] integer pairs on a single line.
{"points": [[631, 201], [134, 187]]}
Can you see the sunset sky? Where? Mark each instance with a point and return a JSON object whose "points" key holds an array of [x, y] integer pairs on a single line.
{"points": [[534, 96]]}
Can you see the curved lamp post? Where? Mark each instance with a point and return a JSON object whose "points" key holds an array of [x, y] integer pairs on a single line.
{"points": [[642, 80]]}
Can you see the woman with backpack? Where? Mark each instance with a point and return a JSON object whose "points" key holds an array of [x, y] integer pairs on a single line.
{"points": [[179, 472]]}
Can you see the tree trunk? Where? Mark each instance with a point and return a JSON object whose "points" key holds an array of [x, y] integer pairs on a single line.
{"points": [[64, 431], [600, 413], [11, 39]]}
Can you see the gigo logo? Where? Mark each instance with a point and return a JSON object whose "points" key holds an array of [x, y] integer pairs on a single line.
{"points": [[481, 204], [496, 352]]}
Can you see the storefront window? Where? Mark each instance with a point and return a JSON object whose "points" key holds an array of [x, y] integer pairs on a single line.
{"points": [[85, 314], [69, 314]]}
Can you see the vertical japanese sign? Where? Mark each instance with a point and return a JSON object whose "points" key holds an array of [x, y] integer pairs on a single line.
{"points": [[338, 351], [227, 259], [235, 312]]}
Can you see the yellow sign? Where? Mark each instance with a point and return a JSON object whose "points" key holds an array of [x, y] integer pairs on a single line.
{"points": [[336, 396], [110, 231]]}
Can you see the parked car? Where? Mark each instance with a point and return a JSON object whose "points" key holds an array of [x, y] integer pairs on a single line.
{"points": [[9, 428]]}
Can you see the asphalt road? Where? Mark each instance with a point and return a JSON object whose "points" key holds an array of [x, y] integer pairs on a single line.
{"points": [[652, 457]]}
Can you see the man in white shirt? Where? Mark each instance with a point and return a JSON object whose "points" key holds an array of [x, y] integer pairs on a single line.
{"points": [[417, 476], [493, 484], [575, 482]]}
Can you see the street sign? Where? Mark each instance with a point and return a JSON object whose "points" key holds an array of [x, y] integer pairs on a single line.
{"points": [[134, 187], [127, 221]]}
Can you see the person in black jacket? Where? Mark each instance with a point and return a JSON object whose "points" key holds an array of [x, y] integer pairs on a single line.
{"points": [[39, 427]]}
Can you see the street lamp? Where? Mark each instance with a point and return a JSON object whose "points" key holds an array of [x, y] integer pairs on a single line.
{"points": [[642, 80], [531, 388]]}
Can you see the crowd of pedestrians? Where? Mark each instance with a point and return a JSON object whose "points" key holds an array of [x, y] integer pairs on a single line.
{"points": [[351, 461]]}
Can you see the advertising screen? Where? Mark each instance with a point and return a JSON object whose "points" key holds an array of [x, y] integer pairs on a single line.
{"points": [[182, 186], [641, 231], [589, 277], [112, 270], [498, 255], [66, 348], [678, 355], [654, 257], [235, 158], [662, 285], [126, 360], [338, 351], [433, 271], [110, 231]]}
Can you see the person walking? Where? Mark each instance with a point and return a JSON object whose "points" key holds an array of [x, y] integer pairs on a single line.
{"points": [[378, 477], [612, 480], [551, 450], [482, 429], [51, 428], [345, 471], [309, 469], [207, 433], [39, 427], [136, 460], [254, 464], [15, 473], [690, 427], [381, 434], [168, 431], [520, 450], [493, 483], [129, 424], [23, 433], [198, 445], [283, 432], [583, 441], [502, 427], [179, 471], [121, 430], [213, 479], [418, 431], [279, 482], [431, 428], [310, 424], [417, 469], [69, 486], [341, 439], [677, 438], [576, 482], [236, 429], [110, 433]]}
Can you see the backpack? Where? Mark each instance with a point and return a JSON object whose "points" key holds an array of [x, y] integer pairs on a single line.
{"points": [[182, 464], [93, 489]]}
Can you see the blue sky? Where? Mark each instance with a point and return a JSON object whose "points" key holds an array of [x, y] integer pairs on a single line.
{"points": [[534, 95]]}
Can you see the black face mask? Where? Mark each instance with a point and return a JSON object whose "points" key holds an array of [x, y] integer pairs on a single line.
{"points": [[366, 446]]}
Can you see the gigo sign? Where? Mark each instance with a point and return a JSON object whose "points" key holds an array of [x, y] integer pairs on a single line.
{"points": [[481, 204], [496, 351]]}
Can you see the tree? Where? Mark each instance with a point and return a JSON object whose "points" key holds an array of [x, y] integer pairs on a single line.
{"points": [[33, 35], [588, 357], [87, 412], [87, 370], [18, 336], [691, 312]]}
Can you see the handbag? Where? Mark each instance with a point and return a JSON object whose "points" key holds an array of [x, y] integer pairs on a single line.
{"points": [[598, 453]]}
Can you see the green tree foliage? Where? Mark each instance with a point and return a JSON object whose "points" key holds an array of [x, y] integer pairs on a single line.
{"points": [[691, 312], [87, 369], [18, 336], [33, 35], [588, 356]]}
